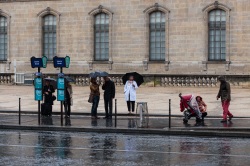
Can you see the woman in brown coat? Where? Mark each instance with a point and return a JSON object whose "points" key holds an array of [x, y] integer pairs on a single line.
{"points": [[94, 88]]}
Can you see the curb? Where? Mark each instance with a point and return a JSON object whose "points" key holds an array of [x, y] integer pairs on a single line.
{"points": [[82, 113], [166, 132], [102, 114], [229, 129]]}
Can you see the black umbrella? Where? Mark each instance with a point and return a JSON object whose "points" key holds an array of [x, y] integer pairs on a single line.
{"points": [[137, 77], [104, 74], [98, 74], [52, 81], [69, 79], [94, 74]]}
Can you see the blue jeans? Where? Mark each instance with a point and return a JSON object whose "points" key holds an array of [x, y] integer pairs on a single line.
{"points": [[95, 105]]}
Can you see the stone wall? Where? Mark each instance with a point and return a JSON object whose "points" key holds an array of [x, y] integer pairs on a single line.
{"points": [[187, 36], [201, 81]]}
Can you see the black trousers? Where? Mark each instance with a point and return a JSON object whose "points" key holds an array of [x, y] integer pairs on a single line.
{"points": [[67, 108], [108, 104], [204, 114], [129, 104]]}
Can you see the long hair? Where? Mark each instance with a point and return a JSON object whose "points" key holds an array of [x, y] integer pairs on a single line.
{"points": [[198, 97]]}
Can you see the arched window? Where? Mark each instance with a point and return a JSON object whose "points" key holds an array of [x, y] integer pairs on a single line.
{"points": [[157, 36], [3, 38], [101, 46], [49, 36], [217, 35]]}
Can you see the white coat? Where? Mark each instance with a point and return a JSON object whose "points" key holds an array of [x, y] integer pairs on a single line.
{"points": [[130, 91]]}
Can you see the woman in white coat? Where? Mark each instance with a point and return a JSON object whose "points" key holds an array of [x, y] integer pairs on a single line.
{"points": [[130, 93]]}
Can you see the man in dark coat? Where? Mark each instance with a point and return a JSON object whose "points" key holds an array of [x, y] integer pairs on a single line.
{"points": [[48, 91], [225, 95], [109, 95]]}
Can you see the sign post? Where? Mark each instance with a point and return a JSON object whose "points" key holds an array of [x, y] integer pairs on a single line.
{"points": [[38, 81], [60, 62], [61, 91]]}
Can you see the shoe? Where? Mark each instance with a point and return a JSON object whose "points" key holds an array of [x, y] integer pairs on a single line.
{"points": [[97, 117], [198, 120], [230, 118], [223, 121], [105, 117]]}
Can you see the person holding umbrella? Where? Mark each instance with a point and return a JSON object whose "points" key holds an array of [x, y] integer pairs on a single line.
{"points": [[48, 91], [130, 93], [95, 92], [109, 95], [131, 81]]}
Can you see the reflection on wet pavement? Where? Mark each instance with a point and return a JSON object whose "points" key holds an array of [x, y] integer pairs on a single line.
{"points": [[65, 148]]}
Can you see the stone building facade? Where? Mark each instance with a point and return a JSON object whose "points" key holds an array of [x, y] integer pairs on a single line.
{"points": [[186, 48]]}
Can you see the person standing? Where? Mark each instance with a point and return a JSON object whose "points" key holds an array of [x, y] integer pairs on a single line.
{"points": [[109, 95], [225, 95], [94, 88], [68, 100], [48, 91], [130, 93]]}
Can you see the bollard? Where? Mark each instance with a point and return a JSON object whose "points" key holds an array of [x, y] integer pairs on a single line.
{"points": [[19, 112], [169, 114], [115, 112]]}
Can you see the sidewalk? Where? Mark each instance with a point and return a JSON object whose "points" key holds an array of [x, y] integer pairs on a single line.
{"points": [[239, 127], [157, 98]]}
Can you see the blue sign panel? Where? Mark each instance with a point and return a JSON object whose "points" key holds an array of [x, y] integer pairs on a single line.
{"points": [[60, 95], [36, 62], [38, 94], [59, 62], [38, 83], [60, 83]]}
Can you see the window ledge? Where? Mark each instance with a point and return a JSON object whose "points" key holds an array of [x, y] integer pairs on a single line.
{"points": [[109, 63], [4, 61], [216, 62], [101, 62], [157, 62]]}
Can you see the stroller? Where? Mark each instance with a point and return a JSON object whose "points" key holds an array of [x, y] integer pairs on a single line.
{"points": [[190, 108]]}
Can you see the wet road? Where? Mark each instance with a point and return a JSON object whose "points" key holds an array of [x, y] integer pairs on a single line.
{"points": [[61, 148]]}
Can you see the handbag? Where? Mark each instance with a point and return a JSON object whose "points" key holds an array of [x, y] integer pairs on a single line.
{"points": [[91, 97], [53, 97]]}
